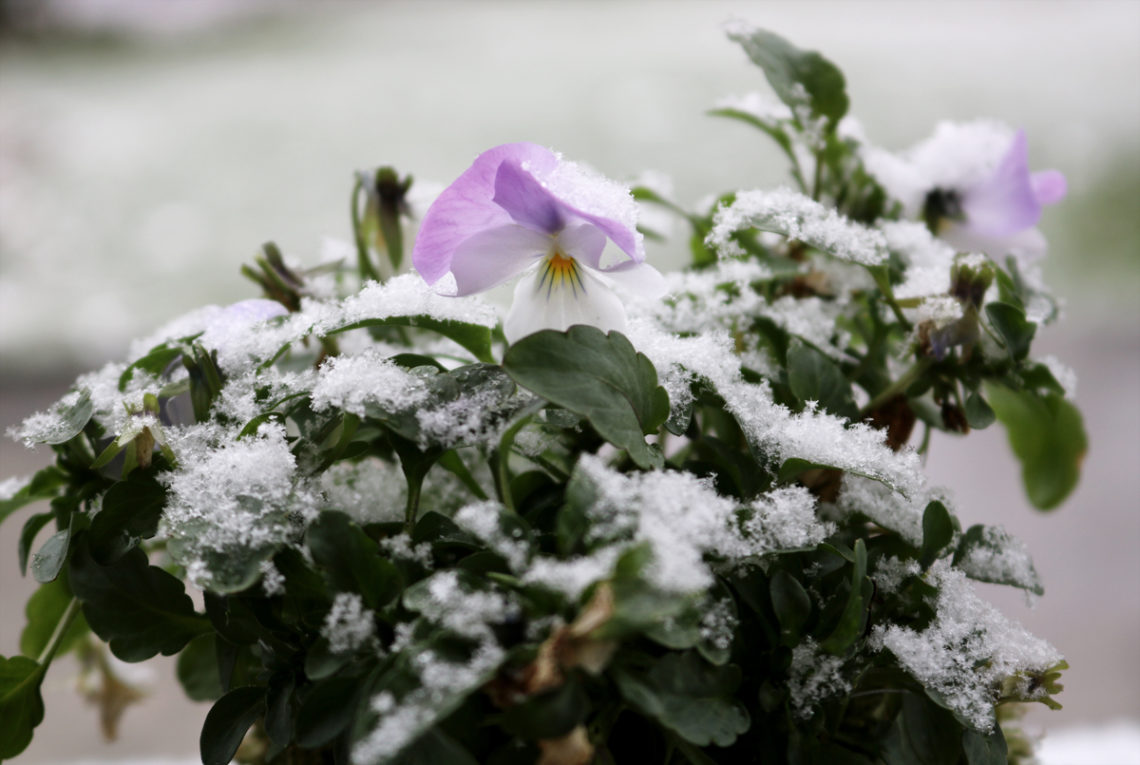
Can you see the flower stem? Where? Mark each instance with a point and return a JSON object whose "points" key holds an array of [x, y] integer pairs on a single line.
{"points": [[367, 271], [412, 508], [503, 479], [61, 628], [898, 386]]}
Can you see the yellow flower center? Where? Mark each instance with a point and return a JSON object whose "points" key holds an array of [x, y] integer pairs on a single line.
{"points": [[561, 271]]}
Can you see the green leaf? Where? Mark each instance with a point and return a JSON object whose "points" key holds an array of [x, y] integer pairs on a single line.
{"points": [[280, 707], [435, 748], [922, 732], [474, 337], [598, 376], [327, 711], [990, 554], [979, 415], [131, 511], [198, 669], [73, 418], [812, 376], [690, 697], [21, 706], [792, 605], [937, 532], [851, 620], [984, 749], [785, 66], [28, 534], [49, 559], [139, 609], [44, 610], [352, 560], [155, 361], [43, 485], [227, 722], [552, 714], [1048, 437], [1014, 328]]}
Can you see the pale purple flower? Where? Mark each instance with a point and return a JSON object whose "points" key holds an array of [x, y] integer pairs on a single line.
{"points": [[998, 214], [521, 210]]}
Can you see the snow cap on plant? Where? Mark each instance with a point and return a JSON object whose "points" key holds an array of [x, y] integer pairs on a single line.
{"points": [[521, 210]]}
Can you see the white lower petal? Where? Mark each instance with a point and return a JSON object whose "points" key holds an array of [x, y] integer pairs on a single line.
{"points": [[538, 304], [639, 279]]}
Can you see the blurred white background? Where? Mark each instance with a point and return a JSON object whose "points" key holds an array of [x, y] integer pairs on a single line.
{"points": [[147, 149]]}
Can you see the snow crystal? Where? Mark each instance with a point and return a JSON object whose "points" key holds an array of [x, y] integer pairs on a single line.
{"points": [[1062, 373], [348, 625], [400, 547], [242, 494], [467, 613], [482, 520], [785, 519], [402, 721], [572, 577], [406, 295], [272, 580], [718, 624], [479, 415], [813, 677], [797, 217], [352, 383], [369, 491], [890, 572], [889, 509], [928, 260], [967, 651], [817, 437], [1000, 557]]}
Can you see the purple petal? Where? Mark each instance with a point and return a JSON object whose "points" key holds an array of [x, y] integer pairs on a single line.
{"points": [[493, 256], [1004, 203], [465, 207], [527, 201], [1049, 186], [531, 204]]}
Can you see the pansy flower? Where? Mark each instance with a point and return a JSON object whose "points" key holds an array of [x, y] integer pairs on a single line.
{"points": [[971, 182], [522, 211], [998, 214]]}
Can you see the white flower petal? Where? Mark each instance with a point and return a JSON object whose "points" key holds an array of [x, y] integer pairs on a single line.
{"points": [[539, 304], [639, 279], [583, 242]]}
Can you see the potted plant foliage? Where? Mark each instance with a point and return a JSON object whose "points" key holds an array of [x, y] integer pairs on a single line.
{"points": [[675, 518]]}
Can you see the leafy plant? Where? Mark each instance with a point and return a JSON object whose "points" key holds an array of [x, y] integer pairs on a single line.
{"points": [[703, 538]]}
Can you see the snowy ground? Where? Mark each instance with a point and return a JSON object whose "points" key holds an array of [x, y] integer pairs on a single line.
{"points": [[136, 176]]}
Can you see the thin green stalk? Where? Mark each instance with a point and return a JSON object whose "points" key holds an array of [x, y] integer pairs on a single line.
{"points": [[503, 479], [412, 508], [817, 183], [367, 270], [61, 628], [898, 386]]}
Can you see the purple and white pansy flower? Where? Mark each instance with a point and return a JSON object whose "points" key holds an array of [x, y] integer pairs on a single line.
{"points": [[522, 211], [998, 214], [972, 183]]}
